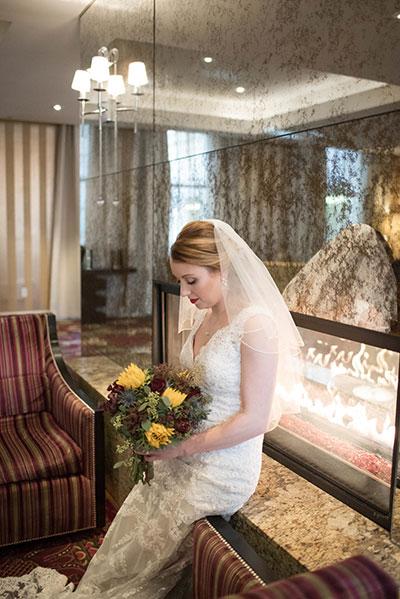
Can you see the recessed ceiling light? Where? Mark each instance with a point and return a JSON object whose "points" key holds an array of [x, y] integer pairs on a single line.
{"points": [[240, 90], [396, 15], [57, 107], [207, 59]]}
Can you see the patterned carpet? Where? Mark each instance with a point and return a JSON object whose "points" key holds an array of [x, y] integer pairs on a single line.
{"points": [[68, 554], [122, 340]]}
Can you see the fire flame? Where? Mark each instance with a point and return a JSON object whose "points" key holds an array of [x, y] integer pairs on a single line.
{"points": [[366, 408]]}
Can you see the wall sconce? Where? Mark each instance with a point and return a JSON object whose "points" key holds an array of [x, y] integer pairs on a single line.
{"points": [[107, 97]]}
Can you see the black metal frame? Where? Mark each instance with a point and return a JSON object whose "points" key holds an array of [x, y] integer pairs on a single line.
{"points": [[98, 421], [345, 331], [160, 289]]}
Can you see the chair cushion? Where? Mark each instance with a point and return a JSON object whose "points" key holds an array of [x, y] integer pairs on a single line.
{"points": [[354, 578], [34, 447], [23, 394], [23, 383], [217, 569]]}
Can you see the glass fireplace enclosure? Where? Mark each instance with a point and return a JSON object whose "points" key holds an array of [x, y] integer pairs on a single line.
{"points": [[345, 436]]}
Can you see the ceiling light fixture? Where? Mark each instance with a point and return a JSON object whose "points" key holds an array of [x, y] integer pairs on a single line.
{"points": [[240, 90], [107, 97], [396, 15], [57, 107], [207, 59]]}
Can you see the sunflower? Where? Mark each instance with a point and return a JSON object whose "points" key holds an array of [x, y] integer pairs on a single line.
{"points": [[132, 377], [175, 397]]}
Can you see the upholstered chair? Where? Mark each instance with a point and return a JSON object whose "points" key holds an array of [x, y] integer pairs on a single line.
{"points": [[226, 567], [51, 437]]}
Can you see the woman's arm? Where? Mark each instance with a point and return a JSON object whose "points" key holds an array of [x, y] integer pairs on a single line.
{"points": [[257, 383]]}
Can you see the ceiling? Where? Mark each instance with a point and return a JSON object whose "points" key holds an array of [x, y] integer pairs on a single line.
{"points": [[39, 49]]}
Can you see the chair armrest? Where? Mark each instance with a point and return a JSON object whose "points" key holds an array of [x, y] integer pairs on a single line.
{"points": [[73, 415], [223, 562], [354, 578]]}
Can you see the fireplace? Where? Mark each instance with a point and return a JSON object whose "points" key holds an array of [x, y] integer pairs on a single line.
{"points": [[345, 436]]}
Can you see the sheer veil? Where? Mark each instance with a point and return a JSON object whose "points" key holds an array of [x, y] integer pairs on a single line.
{"points": [[248, 286]]}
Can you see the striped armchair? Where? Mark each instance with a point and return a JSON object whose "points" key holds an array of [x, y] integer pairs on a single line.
{"points": [[226, 567], [51, 437]]}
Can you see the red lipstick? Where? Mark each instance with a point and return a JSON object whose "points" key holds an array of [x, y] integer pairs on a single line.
{"points": [[193, 301]]}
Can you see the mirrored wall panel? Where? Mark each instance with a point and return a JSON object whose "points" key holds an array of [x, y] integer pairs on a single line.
{"points": [[253, 113], [287, 196], [241, 71], [116, 245]]}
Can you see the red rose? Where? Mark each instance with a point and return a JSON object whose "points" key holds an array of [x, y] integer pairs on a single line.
{"points": [[158, 385]]}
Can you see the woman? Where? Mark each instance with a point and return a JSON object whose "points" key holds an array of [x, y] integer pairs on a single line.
{"points": [[241, 338]]}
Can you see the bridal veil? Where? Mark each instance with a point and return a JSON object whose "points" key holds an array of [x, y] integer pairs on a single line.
{"points": [[247, 285]]}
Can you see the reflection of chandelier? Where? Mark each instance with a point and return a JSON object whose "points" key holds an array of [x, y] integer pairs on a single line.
{"points": [[107, 97]]}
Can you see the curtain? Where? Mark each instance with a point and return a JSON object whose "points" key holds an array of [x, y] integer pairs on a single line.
{"points": [[31, 229], [65, 288]]}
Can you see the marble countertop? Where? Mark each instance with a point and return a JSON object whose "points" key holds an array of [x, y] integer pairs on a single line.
{"points": [[291, 523], [94, 373], [296, 526]]}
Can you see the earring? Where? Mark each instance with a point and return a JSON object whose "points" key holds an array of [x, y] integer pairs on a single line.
{"points": [[224, 281]]}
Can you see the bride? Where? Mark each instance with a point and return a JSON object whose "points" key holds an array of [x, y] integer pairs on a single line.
{"points": [[241, 349]]}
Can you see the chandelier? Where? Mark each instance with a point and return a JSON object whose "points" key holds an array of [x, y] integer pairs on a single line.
{"points": [[108, 87]]}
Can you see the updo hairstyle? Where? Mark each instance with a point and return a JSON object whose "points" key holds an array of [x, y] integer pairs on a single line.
{"points": [[195, 244]]}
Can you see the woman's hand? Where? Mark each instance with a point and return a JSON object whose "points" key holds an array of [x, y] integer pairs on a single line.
{"points": [[167, 453]]}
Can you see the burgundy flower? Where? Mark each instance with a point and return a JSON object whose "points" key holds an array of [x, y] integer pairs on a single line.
{"points": [[168, 419], [134, 419], [158, 385], [193, 392], [182, 425], [111, 406], [114, 388]]}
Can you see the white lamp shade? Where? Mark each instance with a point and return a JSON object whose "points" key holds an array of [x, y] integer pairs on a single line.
{"points": [[99, 68], [115, 85], [81, 81], [137, 74]]}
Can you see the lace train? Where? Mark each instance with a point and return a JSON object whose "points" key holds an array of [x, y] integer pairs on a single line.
{"points": [[42, 582]]}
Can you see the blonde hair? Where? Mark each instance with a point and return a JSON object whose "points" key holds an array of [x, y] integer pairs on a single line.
{"points": [[195, 244]]}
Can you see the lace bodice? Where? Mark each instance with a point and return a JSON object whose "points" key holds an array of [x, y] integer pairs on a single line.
{"points": [[217, 365], [217, 368]]}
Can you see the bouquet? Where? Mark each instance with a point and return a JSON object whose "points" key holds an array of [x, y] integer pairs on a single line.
{"points": [[151, 408]]}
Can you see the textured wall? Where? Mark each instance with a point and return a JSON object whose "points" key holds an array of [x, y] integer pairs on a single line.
{"points": [[309, 148]]}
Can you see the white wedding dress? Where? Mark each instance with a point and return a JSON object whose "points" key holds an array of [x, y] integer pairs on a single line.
{"points": [[148, 543]]}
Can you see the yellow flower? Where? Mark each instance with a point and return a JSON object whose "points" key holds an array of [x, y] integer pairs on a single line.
{"points": [[158, 434], [132, 377], [175, 397]]}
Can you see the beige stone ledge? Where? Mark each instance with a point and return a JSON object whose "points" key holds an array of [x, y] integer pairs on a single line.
{"points": [[296, 526]]}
